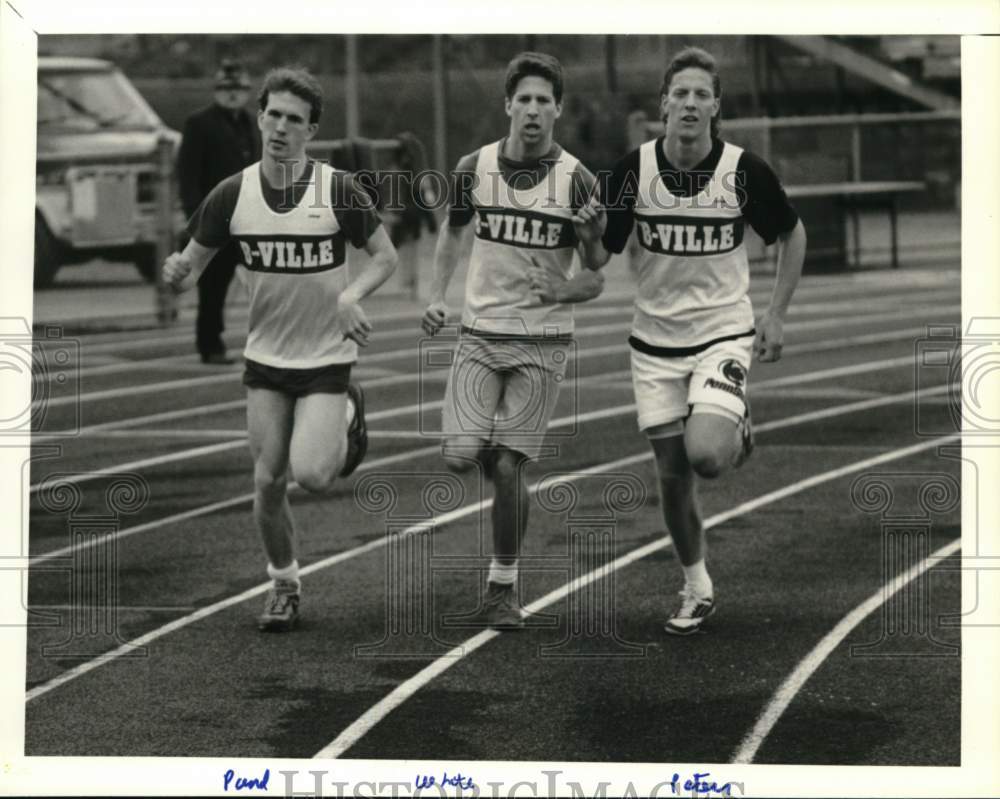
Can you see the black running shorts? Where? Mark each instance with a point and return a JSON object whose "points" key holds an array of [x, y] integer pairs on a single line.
{"points": [[332, 379]]}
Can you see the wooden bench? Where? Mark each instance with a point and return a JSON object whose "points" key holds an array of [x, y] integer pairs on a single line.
{"points": [[855, 194]]}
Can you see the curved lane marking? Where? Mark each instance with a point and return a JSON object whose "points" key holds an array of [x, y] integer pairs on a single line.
{"points": [[362, 725], [810, 663]]}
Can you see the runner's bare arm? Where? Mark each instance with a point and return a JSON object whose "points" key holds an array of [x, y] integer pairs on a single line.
{"points": [[590, 222], [770, 326], [451, 242], [351, 318], [549, 288], [181, 270]]}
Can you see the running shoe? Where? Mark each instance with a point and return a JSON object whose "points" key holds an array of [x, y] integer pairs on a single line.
{"points": [[691, 613], [746, 437], [501, 610], [357, 432], [281, 610]]}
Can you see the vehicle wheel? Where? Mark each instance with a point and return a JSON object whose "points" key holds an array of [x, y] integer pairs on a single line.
{"points": [[48, 257], [146, 263]]}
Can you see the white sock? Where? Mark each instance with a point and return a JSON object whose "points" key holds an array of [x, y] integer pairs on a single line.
{"points": [[288, 574], [503, 574], [696, 576], [349, 409]]}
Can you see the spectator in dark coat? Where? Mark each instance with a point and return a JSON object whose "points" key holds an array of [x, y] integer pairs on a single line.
{"points": [[219, 141]]}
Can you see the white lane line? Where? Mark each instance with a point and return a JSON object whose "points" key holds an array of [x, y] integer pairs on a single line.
{"points": [[839, 286], [783, 697], [808, 377], [363, 724], [615, 381], [234, 374], [164, 433], [120, 608], [158, 460], [613, 378], [377, 543], [843, 371], [135, 421], [213, 449], [205, 510], [237, 341], [129, 341], [565, 421], [211, 508], [821, 392], [143, 388]]}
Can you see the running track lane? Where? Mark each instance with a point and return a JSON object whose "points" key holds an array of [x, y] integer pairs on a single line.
{"points": [[380, 542]]}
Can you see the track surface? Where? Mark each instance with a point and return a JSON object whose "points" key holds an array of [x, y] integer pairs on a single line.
{"points": [[158, 458]]}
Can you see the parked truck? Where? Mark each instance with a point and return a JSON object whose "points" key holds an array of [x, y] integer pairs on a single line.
{"points": [[96, 169]]}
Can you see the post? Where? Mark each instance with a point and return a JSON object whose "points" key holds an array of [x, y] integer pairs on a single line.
{"points": [[893, 233], [856, 177], [166, 299], [610, 63], [352, 114], [855, 152], [440, 80], [753, 56]]}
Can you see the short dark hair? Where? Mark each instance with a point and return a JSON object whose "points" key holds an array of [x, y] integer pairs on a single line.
{"points": [[540, 64], [297, 81], [699, 59]]}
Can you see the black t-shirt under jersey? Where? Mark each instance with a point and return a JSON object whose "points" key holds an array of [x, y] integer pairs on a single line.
{"points": [[762, 199]]}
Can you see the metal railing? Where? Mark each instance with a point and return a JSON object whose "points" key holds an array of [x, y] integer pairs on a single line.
{"points": [[922, 147], [764, 136]]}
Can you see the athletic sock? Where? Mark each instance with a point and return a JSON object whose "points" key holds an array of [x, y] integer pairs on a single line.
{"points": [[350, 410], [696, 576], [503, 573], [289, 574]]}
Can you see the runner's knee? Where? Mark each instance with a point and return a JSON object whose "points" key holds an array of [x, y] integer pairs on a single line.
{"points": [[667, 442], [709, 458], [710, 440], [269, 482], [506, 463], [316, 481], [316, 468], [708, 463], [315, 477], [461, 454]]}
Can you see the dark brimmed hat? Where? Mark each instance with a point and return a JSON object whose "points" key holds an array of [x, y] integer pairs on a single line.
{"points": [[231, 75]]}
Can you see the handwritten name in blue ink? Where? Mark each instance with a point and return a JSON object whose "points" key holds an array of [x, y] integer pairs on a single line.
{"points": [[699, 784], [245, 783], [455, 781]]}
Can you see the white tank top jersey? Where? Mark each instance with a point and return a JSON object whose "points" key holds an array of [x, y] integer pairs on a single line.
{"points": [[692, 269], [513, 227], [294, 266]]}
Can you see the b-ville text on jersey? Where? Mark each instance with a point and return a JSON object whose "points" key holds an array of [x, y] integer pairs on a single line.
{"points": [[687, 235], [524, 228], [292, 254]]}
